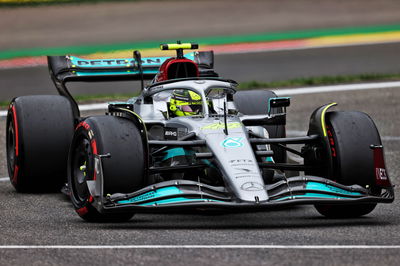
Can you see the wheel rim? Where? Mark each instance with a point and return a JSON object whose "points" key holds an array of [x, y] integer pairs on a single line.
{"points": [[81, 169]]}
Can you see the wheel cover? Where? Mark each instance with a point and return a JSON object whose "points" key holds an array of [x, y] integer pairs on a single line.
{"points": [[81, 169]]}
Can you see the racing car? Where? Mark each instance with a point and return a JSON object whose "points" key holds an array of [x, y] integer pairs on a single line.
{"points": [[190, 140]]}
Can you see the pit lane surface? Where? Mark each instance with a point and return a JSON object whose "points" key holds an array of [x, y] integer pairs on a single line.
{"points": [[49, 219]]}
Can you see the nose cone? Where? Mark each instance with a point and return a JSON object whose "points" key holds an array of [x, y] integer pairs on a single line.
{"points": [[236, 161]]}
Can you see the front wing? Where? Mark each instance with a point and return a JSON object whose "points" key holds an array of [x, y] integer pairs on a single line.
{"points": [[184, 194]]}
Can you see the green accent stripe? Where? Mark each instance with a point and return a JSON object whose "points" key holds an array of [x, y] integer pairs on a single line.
{"points": [[173, 153], [167, 191], [214, 40], [328, 188], [314, 195], [177, 200]]}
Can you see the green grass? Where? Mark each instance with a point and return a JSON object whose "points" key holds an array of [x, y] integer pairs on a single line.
{"points": [[210, 40], [299, 82], [4, 104]]}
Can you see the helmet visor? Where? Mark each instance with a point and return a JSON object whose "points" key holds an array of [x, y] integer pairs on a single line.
{"points": [[192, 108]]}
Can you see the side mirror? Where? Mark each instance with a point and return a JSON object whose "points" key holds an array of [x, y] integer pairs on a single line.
{"points": [[278, 102]]}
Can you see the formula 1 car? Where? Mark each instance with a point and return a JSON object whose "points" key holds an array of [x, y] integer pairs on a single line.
{"points": [[189, 141]]}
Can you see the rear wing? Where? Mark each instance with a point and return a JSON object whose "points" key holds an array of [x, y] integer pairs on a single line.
{"points": [[67, 68], [70, 68]]}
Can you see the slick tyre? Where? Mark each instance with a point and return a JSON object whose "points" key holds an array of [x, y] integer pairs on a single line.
{"points": [[123, 170], [39, 131], [256, 103], [350, 135]]}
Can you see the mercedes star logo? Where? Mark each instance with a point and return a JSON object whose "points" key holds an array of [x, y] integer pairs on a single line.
{"points": [[252, 186]]}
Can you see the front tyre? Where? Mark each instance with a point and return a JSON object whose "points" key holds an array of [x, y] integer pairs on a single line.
{"points": [[350, 135], [123, 172]]}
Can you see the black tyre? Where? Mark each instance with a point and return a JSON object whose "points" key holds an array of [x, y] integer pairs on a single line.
{"points": [[39, 132], [350, 135], [123, 172], [256, 103]]}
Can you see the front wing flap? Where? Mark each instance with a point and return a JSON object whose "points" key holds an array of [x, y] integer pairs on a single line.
{"points": [[181, 194]]}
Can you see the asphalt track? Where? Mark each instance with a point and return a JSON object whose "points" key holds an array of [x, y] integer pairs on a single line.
{"points": [[262, 66], [275, 237]]}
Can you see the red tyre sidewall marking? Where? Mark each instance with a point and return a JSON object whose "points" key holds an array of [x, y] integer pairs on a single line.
{"points": [[84, 210], [84, 125], [91, 199], [16, 141], [331, 141], [15, 176]]}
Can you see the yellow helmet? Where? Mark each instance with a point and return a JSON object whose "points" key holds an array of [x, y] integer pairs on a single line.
{"points": [[185, 102]]}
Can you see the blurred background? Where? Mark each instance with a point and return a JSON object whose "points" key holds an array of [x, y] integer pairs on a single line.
{"points": [[261, 43]]}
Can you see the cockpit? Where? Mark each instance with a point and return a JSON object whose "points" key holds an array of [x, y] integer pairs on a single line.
{"points": [[196, 101]]}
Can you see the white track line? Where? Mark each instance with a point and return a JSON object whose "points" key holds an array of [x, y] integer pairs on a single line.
{"points": [[96, 106], [4, 179], [335, 88], [201, 247], [283, 92]]}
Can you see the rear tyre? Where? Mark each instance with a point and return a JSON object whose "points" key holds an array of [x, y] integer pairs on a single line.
{"points": [[256, 103], [39, 132], [351, 134], [123, 172]]}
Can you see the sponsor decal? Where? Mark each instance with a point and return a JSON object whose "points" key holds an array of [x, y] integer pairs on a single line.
{"points": [[252, 176], [244, 172], [241, 162], [143, 197], [252, 186], [170, 133], [217, 126], [113, 62], [381, 173], [232, 143]]}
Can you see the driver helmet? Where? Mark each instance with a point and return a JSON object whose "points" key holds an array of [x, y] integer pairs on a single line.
{"points": [[185, 103]]}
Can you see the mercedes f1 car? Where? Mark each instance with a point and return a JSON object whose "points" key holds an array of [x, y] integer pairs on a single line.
{"points": [[189, 141]]}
